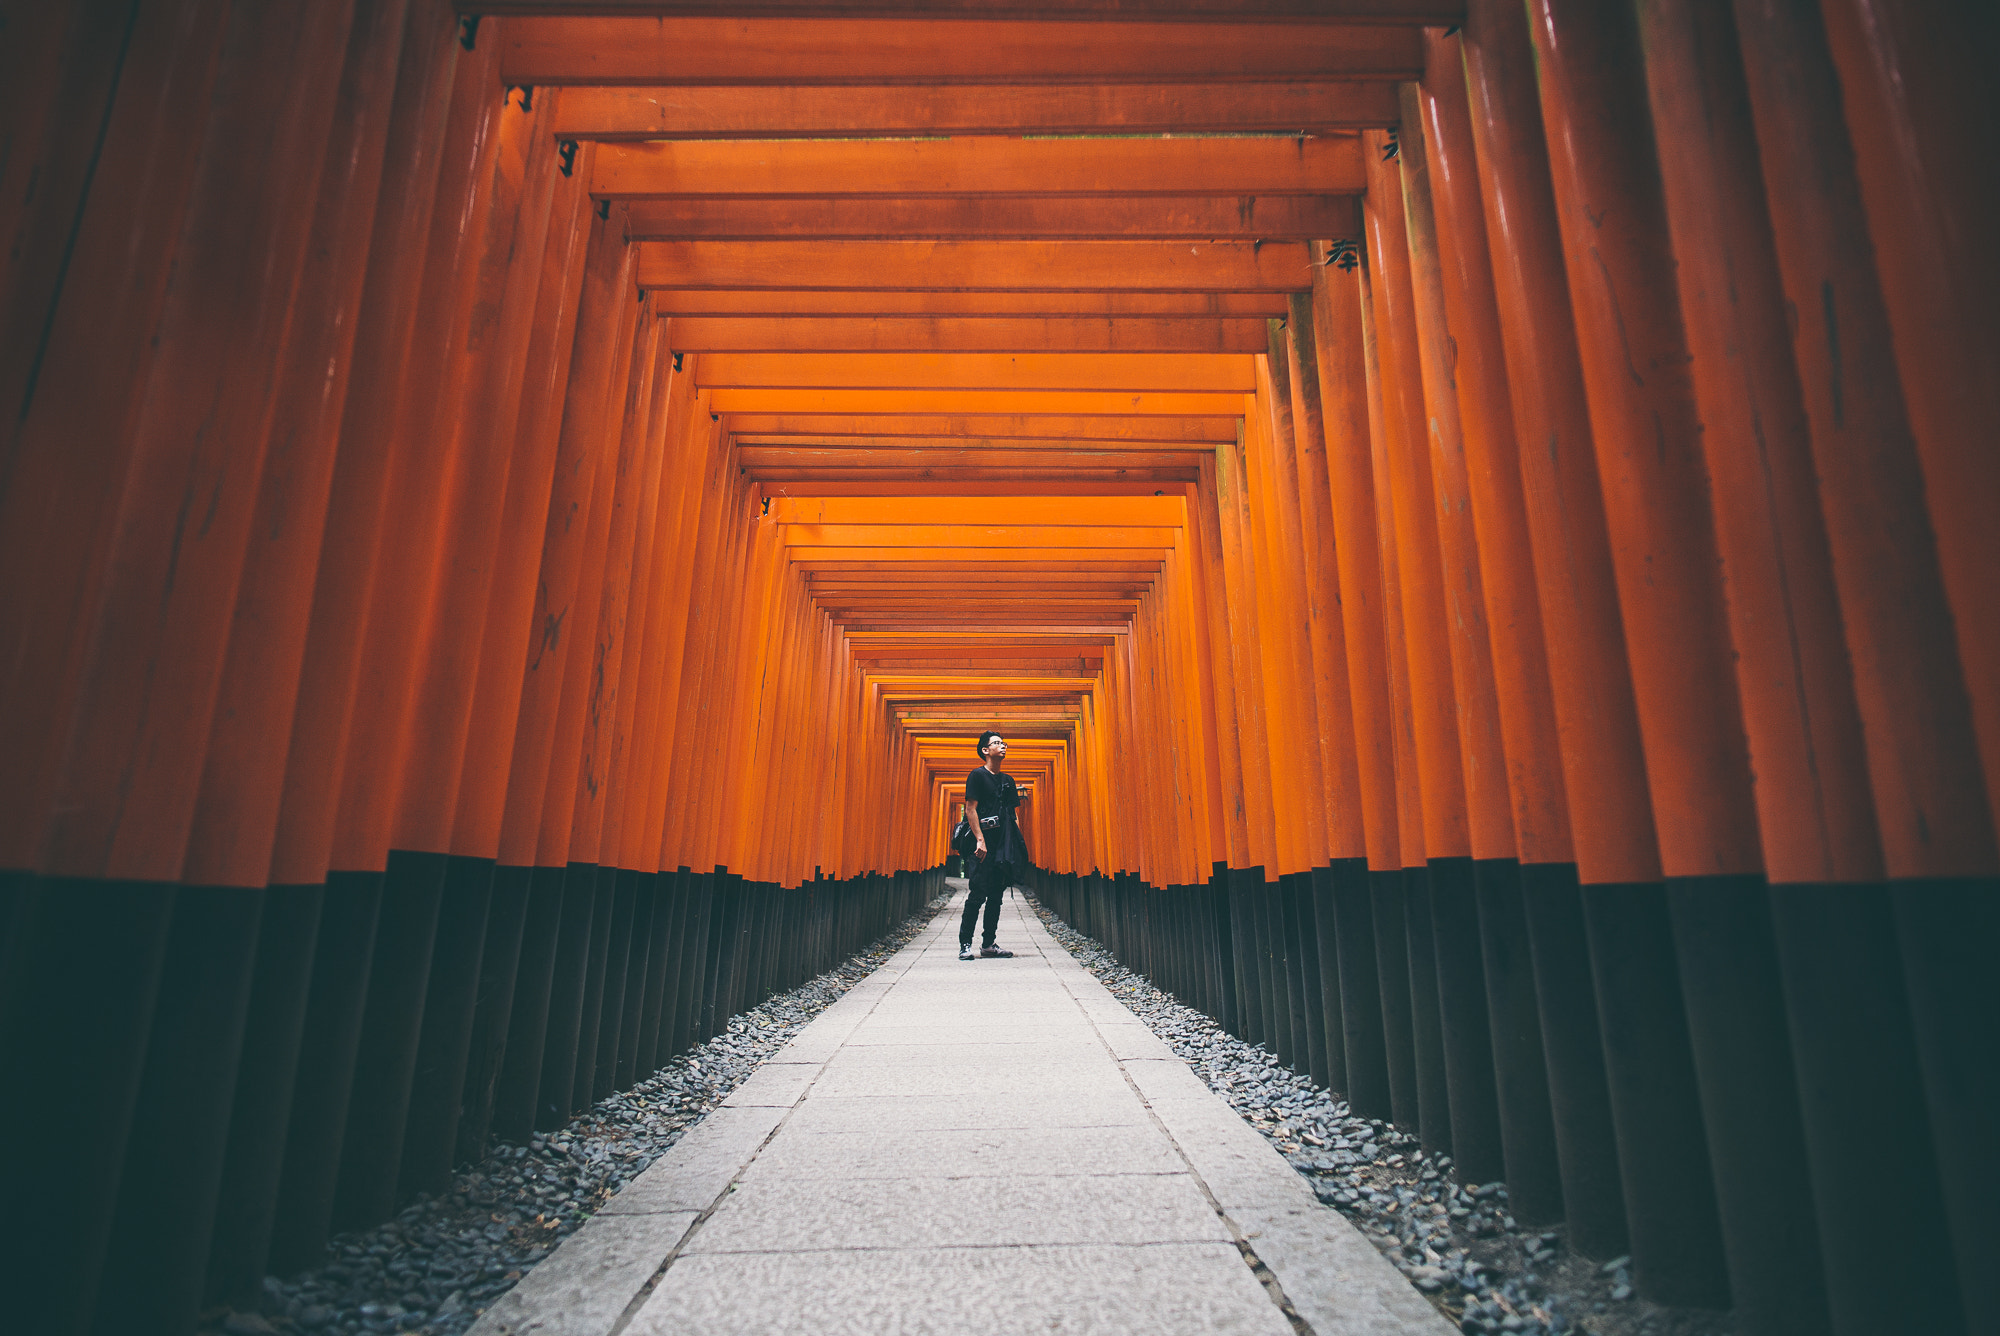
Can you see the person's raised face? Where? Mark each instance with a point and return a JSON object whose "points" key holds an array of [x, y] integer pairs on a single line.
{"points": [[996, 748]]}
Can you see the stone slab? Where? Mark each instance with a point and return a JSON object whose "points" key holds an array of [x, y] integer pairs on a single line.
{"points": [[1158, 1290], [693, 1173], [983, 1147], [960, 1153], [1080, 1080], [862, 1214], [584, 1287], [774, 1085], [978, 1111]]}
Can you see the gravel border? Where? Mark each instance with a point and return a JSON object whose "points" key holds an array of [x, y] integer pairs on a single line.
{"points": [[1456, 1243], [443, 1260]]}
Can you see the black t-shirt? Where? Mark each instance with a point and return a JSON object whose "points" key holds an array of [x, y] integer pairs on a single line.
{"points": [[997, 794]]}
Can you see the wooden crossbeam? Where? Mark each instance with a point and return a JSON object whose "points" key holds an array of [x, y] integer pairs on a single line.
{"points": [[725, 112], [1253, 217], [963, 334], [942, 266], [778, 427], [819, 582], [1167, 511], [1084, 536], [985, 165], [544, 51], [1143, 482], [759, 458], [794, 303], [1383, 11], [1046, 445], [876, 481], [963, 555], [1118, 402], [1161, 373]]}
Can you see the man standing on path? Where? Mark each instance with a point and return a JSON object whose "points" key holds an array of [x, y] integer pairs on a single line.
{"points": [[990, 793]]}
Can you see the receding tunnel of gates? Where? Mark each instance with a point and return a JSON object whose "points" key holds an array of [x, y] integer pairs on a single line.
{"points": [[995, 611], [486, 620]]}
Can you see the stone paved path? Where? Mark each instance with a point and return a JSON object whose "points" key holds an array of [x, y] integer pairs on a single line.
{"points": [[988, 1147]]}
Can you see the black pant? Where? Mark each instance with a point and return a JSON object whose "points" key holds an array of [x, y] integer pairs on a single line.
{"points": [[990, 880]]}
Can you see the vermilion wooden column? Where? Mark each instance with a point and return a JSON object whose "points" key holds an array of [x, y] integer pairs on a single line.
{"points": [[1404, 465], [1915, 83], [1527, 718], [1245, 655], [60, 69], [564, 838], [69, 434], [550, 627], [571, 401], [707, 449], [1433, 712], [1386, 887], [1647, 431], [1488, 819], [1815, 814], [493, 346], [236, 814], [1847, 991], [1342, 377], [422, 486], [684, 686], [636, 493], [637, 697], [1248, 886], [1476, 1131], [1296, 797], [1901, 633], [1285, 556], [1212, 631], [518, 954], [1346, 838], [1318, 538], [148, 681], [1604, 779], [100, 915], [504, 655], [387, 734]]}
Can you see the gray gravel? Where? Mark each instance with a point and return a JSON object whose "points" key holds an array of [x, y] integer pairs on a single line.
{"points": [[1456, 1243], [444, 1260]]}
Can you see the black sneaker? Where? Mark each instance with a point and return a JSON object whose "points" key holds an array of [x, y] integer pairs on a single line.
{"points": [[991, 952], [965, 951]]}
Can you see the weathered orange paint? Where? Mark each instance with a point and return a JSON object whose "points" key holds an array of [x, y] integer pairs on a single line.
{"points": [[1429, 716], [1493, 468], [1604, 777], [1815, 811]]}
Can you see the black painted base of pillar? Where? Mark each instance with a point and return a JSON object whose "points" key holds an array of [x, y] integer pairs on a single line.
{"points": [[517, 1090], [1360, 990], [158, 1251], [1468, 1036], [493, 1008], [1663, 1163], [1326, 959], [1426, 1026], [430, 1138], [1392, 974], [1887, 1252], [287, 940], [76, 1012], [1950, 937], [391, 1027], [334, 1003], [1749, 1097], [1579, 1097], [1521, 1075]]}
